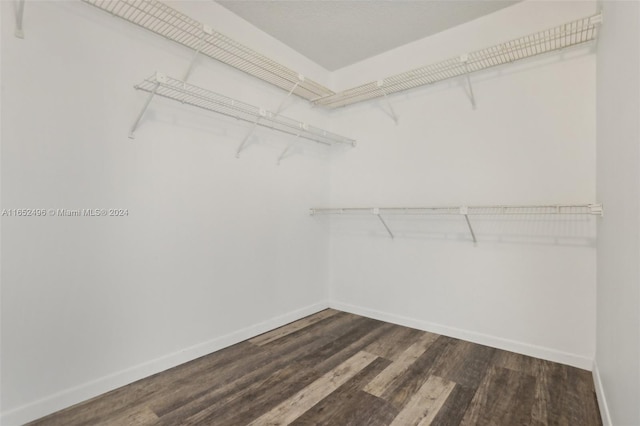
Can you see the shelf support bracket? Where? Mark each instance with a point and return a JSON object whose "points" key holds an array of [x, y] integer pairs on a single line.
{"points": [[596, 209], [376, 211], [289, 148], [206, 30], [391, 113], [465, 61], [160, 78], [295, 86], [19, 33], [243, 144], [465, 212]]}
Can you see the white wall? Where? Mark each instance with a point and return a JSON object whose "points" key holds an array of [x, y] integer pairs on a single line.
{"points": [[529, 284], [618, 186], [214, 249]]}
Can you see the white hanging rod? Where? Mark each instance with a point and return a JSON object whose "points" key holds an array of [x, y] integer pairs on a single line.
{"points": [[568, 209], [563, 36], [176, 26], [172, 88]]}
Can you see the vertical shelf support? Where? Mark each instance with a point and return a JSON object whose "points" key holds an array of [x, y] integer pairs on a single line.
{"points": [[465, 61], [160, 78], [295, 86], [392, 112], [465, 211], [376, 211], [206, 30], [19, 33], [243, 144]]}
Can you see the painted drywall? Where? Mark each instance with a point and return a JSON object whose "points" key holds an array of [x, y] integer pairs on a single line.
{"points": [[529, 283], [618, 187], [213, 249]]}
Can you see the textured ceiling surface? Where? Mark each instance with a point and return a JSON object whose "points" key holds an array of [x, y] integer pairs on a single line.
{"points": [[338, 33]]}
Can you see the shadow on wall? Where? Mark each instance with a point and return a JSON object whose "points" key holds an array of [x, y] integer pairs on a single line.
{"points": [[577, 230]]}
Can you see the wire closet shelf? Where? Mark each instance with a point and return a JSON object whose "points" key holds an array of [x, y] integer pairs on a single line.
{"points": [[180, 28], [172, 88], [464, 211], [568, 209], [563, 36]]}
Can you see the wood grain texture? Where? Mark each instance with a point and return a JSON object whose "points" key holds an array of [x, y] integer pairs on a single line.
{"points": [[454, 408], [395, 341], [406, 359], [505, 397], [335, 369], [424, 405], [298, 404], [403, 387], [333, 411], [291, 327]]}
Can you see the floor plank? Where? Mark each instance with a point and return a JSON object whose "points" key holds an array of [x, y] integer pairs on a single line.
{"points": [[333, 411], [396, 341], [378, 386], [505, 397], [403, 387], [424, 405], [465, 363], [292, 327], [294, 407], [455, 406]]}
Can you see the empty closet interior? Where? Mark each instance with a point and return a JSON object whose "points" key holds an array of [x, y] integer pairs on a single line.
{"points": [[179, 177]]}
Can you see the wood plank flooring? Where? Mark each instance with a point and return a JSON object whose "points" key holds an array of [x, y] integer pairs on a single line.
{"points": [[335, 368]]}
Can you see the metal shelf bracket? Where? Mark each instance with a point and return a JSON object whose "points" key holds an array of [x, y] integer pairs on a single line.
{"points": [[464, 58], [376, 211], [243, 144], [464, 210], [391, 113], [295, 86], [160, 78], [206, 30], [19, 33], [596, 209]]}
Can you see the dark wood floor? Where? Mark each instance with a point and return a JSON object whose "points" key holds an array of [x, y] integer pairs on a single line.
{"points": [[335, 368]]}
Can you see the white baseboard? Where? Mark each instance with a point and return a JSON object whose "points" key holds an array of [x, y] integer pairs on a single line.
{"points": [[471, 336], [68, 397], [602, 400]]}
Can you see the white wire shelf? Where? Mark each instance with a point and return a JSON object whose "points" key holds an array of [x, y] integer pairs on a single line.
{"points": [[572, 209], [172, 88], [176, 26], [465, 211], [563, 36]]}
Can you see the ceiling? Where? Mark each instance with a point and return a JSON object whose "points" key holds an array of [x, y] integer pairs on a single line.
{"points": [[338, 33]]}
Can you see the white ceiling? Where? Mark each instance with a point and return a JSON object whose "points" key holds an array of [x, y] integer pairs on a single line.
{"points": [[338, 33]]}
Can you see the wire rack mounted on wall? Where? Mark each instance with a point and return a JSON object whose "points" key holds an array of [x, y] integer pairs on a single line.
{"points": [[466, 211], [172, 88], [174, 25], [560, 37]]}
